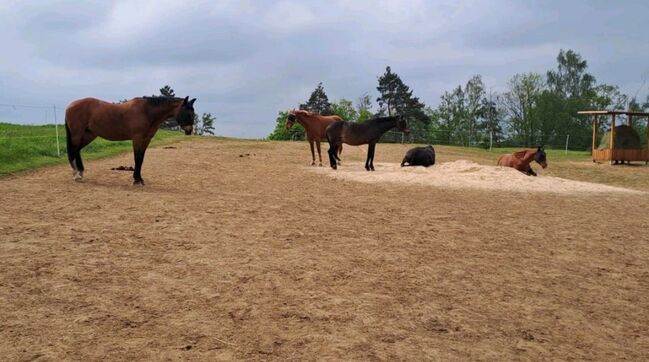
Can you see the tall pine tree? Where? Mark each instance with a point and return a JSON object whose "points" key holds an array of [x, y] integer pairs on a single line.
{"points": [[397, 99], [318, 102]]}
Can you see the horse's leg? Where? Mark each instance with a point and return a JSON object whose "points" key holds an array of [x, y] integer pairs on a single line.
{"points": [[312, 153], [139, 148], [370, 157], [331, 152], [87, 138], [340, 150], [530, 172], [317, 143]]}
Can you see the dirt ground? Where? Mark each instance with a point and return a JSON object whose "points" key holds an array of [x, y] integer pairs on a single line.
{"points": [[238, 250]]}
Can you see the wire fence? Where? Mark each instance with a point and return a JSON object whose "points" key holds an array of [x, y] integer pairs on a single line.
{"points": [[488, 141], [50, 115]]}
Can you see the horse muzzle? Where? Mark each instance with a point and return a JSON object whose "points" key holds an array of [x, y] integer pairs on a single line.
{"points": [[188, 129], [544, 164]]}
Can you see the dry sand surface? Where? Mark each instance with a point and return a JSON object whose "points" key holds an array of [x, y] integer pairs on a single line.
{"points": [[462, 174], [236, 250]]}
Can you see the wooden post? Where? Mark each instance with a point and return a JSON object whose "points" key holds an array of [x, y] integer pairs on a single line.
{"points": [[612, 143], [630, 120], [592, 152]]}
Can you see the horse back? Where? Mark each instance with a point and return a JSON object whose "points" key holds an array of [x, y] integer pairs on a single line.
{"points": [[104, 119], [504, 160]]}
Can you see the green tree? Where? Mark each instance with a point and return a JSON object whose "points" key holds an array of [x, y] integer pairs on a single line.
{"points": [[345, 110], [167, 91], [609, 97], [520, 102], [205, 125], [575, 90], [492, 118], [570, 79], [318, 102], [396, 98], [474, 94], [280, 133], [364, 108], [451, 113]]}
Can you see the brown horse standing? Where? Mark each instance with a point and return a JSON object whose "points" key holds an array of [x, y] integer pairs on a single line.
{"points": [[315, 126], [137, 120], [521, 160]]}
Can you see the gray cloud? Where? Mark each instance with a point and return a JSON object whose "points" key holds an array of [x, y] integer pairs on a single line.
{"points": [[246, 60]]}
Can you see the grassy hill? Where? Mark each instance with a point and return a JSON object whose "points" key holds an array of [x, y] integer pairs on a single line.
{"points": [[25, 147]]}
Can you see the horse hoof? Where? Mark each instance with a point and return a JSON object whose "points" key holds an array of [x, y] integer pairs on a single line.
{"points": [[138, 183], [334, 167], [320, 165], [312, 163], [78, 177]]}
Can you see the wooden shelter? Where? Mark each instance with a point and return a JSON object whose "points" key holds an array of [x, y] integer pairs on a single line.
{"points": [[611, 153]]}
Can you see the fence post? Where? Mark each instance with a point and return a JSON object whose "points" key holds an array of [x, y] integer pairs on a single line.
{"points": [[56, 127], [491, 140], [567, 138]]}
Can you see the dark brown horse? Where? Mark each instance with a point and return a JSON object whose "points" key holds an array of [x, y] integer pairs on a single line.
{"points": [[315, 126], [355, 134], [137, 120], [521, 160]]}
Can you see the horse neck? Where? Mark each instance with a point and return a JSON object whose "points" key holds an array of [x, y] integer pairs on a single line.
{"points": [[529, 156], [383, 126], [161, 112], [305, 120]]}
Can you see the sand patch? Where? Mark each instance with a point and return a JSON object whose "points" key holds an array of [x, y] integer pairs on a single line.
{"points": [[466, 174]]}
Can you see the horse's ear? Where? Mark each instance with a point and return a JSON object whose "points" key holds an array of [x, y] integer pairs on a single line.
{"points": [[185, 100], [191, 103]]}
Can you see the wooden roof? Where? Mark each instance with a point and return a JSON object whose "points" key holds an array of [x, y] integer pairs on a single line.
{"points": [[628, 113]]}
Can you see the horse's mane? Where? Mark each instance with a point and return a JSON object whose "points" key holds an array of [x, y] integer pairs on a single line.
{"points": [[383, 119], [305, 112], [160, 100], [521, 154]]}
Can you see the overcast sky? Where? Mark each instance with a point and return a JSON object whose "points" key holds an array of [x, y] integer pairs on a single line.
{"points": [[246, 60]]}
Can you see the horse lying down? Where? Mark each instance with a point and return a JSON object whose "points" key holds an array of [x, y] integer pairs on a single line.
{"points": [[419, 156], [521, 160]]}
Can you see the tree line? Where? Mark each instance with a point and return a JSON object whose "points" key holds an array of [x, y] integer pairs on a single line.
{"points": [[535, 109]]}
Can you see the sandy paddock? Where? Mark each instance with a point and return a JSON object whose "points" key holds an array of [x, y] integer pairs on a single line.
{"points": [[236, 250]]}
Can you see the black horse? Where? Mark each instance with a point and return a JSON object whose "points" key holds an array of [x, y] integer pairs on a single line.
{"points": [[419, 156], [355, 134]]}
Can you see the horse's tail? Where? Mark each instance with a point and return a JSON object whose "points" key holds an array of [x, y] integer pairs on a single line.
{"points": [[68, 141]]}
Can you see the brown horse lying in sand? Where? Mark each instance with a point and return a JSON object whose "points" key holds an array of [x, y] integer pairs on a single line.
{"points": [[137, 120], [315, 126], [521, 160]]}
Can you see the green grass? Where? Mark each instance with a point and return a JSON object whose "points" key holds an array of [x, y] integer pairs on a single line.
{"points": [[27, 147]]}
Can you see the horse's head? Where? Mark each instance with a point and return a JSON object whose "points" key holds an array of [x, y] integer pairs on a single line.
{"points": [[402, 124], [291, 119], [185, 116], [540, 157]]}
